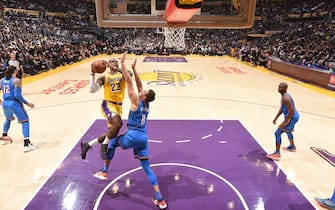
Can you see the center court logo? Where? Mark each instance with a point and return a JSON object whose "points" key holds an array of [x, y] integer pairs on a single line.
{"points": [[169, 78]]}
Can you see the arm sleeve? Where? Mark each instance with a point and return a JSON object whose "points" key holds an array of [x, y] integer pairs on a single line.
{"points": [[94, 86], [18, 95]]}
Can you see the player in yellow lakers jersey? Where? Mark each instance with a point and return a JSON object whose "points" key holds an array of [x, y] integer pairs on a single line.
{"points": [[114, 87]]}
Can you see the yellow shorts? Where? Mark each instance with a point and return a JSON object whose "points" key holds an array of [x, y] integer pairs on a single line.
{"points": [[110, 109]]}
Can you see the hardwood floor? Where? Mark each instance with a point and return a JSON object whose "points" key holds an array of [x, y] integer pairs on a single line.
{"points": [[203, 88]]}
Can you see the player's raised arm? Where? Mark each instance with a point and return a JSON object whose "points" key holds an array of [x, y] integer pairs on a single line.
{"points": [[137, 77], [95, 85], [131, 91]]}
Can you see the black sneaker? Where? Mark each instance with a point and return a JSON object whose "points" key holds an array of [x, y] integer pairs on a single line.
{"points": [[290, 148], [103, 151], [84, 148]]}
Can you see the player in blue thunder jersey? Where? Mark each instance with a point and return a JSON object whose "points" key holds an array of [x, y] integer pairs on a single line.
{"points": [[138, 119], [114, 88], [291, 117], [12, 104], [136, 136]]}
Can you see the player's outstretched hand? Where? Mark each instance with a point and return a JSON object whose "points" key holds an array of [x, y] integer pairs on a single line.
{"points": [[133, 65], [123, 58], [31, 105]]}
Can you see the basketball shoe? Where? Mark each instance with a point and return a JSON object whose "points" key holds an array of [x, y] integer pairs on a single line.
{"points": [[274, 156], [102, 175], [290, 148], [5, 140], [29, 147], [84, 148], [161, 204], [325, 203]]}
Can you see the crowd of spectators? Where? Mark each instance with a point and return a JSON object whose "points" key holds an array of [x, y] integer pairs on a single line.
{"points": [[45, 41], [78, 6]]}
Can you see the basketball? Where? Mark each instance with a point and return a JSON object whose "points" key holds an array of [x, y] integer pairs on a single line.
{"points": [[99, 66]]}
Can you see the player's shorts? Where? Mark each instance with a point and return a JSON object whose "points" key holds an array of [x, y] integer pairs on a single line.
{"points": [[13, 107], [290, 126], [136, 139], [110, 109]]}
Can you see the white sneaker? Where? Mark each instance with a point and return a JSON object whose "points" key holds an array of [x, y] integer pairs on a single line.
{"points": [[29, 148], [101, 175]]}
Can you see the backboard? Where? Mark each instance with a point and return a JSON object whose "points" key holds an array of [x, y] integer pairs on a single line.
{"points": [[213, 14]]}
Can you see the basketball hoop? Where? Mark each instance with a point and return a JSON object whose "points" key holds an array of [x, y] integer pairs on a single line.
{"points": [[174, 37]]}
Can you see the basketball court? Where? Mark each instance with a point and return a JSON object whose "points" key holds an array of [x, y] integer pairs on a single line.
{"points": [[209, 128]]}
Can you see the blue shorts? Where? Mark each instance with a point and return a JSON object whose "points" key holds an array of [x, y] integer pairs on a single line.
{"points": [[136, 139], [290, 126], [13, 107]]}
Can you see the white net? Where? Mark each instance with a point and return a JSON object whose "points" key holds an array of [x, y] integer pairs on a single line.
{"points": [[174, 38]]}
